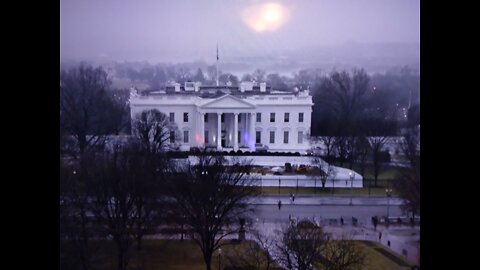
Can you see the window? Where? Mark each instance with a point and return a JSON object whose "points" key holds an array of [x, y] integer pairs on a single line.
{"points": [[206, 136], [272, 136], [185, 117], [272, 117], [300, 137], [206, 118], [239, 118], [223, 118], [172, 117], [259, 117], [258, 137], [172, 136], [300, 117], [285, 137], [185, 136], [239, 138], [287, 117]]}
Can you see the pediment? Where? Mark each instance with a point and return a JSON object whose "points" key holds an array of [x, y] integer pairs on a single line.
{"points": [[227, 102]]}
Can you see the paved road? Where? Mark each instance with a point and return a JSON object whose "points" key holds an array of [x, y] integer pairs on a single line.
{"points": [[270, 213], [327, 200]]}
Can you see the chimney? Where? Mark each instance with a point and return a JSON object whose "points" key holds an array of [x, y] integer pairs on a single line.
{"points": [[177, 87], [263, 87], [246, 86], [197, 86]]}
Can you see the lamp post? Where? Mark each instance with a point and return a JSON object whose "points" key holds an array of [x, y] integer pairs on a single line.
{"points": [[219, 258], [352, 176], [388, 191]]}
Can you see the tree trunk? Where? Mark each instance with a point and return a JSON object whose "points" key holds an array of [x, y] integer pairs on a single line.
{"points": [[208, 261], [122, 248], [139, 242]]}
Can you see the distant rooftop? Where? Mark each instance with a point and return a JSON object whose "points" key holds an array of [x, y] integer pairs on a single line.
{"points": [[213, 91]]}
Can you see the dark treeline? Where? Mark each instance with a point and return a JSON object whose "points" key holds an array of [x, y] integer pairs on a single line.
{"points": [[384, 97]]}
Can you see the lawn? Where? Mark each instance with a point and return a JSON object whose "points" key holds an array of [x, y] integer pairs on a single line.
{"points": [[166, 254], [375, 260], [184, 255]]}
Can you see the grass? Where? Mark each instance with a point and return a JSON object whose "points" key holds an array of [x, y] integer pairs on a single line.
{"points": [[377, 261], [186, 255], [165, 254]]}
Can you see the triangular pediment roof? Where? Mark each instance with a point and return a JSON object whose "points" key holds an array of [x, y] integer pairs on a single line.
{"points": [[227, 102]]}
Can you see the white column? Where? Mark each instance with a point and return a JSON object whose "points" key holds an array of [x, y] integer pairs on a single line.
{"points": [[252, 132], [202, 129], [219, 131], [235, 132]]}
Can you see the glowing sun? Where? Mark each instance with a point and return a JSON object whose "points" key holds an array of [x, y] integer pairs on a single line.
{"points": [[265, 17]]}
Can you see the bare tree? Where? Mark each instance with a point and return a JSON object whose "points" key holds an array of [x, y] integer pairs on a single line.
{"points": [[259, 75], [211, 195], [114, 175], [329, 142], [75, 226], [307, 246], [342, 254], [118, 111], [344, 96], [408, 183], [301, 245], [154, 130], [256, 253], [247, 78], [83, 98], [377, 143], [325, 170], [199, 77]]}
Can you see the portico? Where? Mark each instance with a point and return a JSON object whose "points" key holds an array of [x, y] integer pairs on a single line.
{"points": [[227, 122]]}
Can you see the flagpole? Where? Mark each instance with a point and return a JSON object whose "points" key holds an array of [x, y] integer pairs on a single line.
{"points": [[216, 73]]}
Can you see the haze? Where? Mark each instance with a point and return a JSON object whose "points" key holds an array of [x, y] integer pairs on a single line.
{"points": [[182, 30]]}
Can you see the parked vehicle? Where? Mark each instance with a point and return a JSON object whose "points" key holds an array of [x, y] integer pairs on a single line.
{"points": [[261, 148]]}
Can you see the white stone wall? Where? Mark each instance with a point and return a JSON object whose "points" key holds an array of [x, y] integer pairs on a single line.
{"points": [[179, 104], [279, 126]]}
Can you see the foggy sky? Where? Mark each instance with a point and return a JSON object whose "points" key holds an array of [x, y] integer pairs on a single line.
{"points": [[165, 30]]}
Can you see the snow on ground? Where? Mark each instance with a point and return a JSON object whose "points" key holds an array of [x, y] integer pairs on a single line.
{"points": [[279, 161]]}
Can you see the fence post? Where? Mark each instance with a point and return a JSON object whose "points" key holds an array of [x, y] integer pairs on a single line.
{"points": [[279, 182], [297, 183]]}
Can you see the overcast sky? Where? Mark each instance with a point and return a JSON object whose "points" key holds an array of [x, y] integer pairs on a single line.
{"points": [[159, 30]]}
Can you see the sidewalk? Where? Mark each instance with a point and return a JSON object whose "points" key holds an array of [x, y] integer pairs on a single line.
{"points": [[326, 200]]}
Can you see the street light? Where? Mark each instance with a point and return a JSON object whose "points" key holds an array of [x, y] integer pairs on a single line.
{"points": [[352, 176], [219, 258], [388, 191]]}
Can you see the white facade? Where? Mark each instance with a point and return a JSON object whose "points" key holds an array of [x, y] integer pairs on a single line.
{"points": [[246, 111]]}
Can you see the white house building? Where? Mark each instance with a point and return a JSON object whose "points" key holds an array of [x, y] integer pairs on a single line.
{"points": [[228, 118]]}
